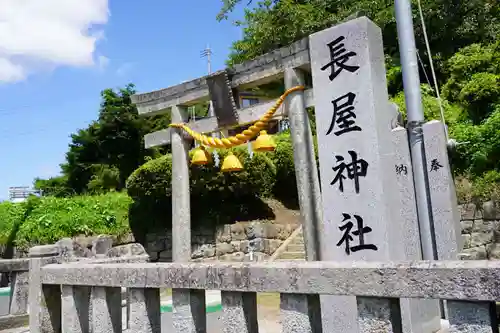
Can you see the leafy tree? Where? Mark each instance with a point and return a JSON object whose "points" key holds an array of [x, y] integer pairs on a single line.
{"points": [[83, 150], [454, 114], [102, 156], [474, 79], [481, 153], [451, 25], [54, 186], [104, 178], [121, 132], [27, 207]]}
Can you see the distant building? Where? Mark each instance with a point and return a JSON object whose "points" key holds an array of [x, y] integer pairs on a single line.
{"points": [[247, 99], [21, 193]]}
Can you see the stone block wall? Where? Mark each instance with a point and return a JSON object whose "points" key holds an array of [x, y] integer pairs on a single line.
{"points": [[481, 231], [258, 240], [242, 241]]}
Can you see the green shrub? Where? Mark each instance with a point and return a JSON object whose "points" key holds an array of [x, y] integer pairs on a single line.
{"points": [[481, 151], [285, 187], [478, 189], [54, 218], [216, 197], [153, 179], [10, 214]]}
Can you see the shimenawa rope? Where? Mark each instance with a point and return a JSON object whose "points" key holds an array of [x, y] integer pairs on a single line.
{"points": [[245, 135]]}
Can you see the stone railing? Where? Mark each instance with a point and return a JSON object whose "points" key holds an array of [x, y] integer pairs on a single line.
{"points": [[14, 298], [15, 305], [85, 296], [63, 253]]}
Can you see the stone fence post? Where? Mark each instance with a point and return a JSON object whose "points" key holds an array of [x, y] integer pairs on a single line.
{"points": [[44, 300]]}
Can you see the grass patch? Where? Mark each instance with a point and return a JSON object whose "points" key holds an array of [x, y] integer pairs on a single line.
{"points": [[266, 300], [165, 292], [54, 218], [269, 300]]}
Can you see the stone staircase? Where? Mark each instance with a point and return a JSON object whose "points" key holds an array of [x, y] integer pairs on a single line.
{"points": [[293, 248]]}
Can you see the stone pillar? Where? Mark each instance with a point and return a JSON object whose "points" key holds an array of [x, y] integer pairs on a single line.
{"points": [[44, 300], [144, 310], [239, 312], [75, 304], [181, 201], [308, 190], [306, 170], [298, 315], [445, 212], [19, 293], [423, 315], [379, 315], [361, 195], [107, 305], [188, 311]]}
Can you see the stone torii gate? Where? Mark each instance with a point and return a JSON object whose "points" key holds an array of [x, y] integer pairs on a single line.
{"points": [[366, 207]]}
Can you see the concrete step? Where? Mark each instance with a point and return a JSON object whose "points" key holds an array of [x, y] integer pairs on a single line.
{"points": [[298, 240], [291, 260], [295, 248], [292, 255]]}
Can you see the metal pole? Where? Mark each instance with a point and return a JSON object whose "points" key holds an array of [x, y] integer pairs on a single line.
{"points": [[208, 53], [209, 64], [209, 59], [415, 113]]}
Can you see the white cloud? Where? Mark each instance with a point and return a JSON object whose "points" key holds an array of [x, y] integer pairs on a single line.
{"points": [[10, 72], [49, 33]]}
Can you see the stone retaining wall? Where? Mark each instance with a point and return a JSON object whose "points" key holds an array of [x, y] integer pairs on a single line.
{"points": [[246, 241], [481, 231], [242, 241]]}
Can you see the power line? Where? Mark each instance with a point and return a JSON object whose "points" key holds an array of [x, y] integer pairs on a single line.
{"points": [[38, 130], [36, 107], [433, 72]]}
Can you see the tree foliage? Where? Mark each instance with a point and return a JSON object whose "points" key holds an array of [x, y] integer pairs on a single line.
{"points": [[111, 147], [463, 37], [45, 220], [451, 25], [474, 79], [102, 156]]}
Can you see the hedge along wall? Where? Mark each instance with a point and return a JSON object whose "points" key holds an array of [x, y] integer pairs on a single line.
{"points": [[216, 198], [45, 220]]}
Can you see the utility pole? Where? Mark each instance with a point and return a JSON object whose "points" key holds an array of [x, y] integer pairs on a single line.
{"points": [[415, 113], [207, 53]]}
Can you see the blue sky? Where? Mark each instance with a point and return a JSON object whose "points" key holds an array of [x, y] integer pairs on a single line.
{"points": [[51, 74]]}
